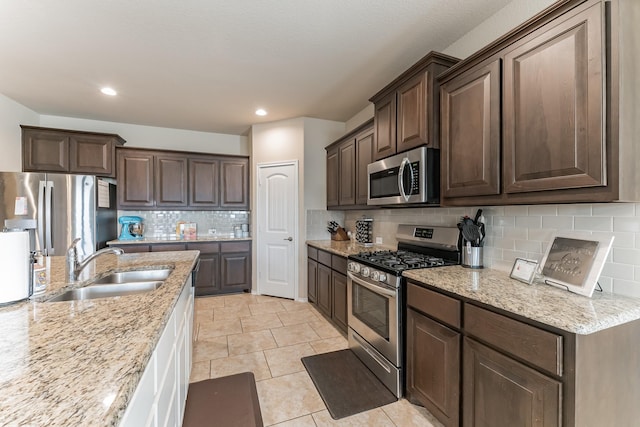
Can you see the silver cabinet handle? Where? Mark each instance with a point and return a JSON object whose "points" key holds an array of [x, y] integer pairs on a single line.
{"points": [[289, 239]]}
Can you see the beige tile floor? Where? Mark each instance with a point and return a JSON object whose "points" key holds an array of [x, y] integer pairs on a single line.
{"points": [[268, 336]]}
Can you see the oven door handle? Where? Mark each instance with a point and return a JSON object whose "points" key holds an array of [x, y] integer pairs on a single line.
{"points": [[372, 288]]}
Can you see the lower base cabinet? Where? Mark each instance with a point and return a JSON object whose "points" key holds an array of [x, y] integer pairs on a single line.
{"points": [[161, 394], [327, 285], [433, 363], [499, 391]]}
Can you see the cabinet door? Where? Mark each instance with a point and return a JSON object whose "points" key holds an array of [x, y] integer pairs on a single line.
{"points": [[171, 180], [470, 133], [324, 289], [44, 151], [347, 174], [312, 280], [332, 177], [133, 249], [384, 123], [208, 275], [235, 272], [91, 154], [204, 185], [234, 183], [433, 367], [339, 299], [500, 392], [412, 124], [364, 156], [553, 106], [135, 179]]}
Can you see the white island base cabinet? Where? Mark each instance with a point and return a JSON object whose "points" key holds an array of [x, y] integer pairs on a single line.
{"points": [[160, 397]]}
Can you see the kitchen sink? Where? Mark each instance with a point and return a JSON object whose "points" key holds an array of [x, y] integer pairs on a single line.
{"points": [[107, 290], [133, 276]]}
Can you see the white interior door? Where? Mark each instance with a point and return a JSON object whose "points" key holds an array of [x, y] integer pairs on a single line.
{"points": [[277, 215]]}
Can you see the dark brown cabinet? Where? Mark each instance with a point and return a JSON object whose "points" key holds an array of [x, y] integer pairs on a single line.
{"points": [[171, 180], [406, 111], [149, 179], [483, 367], [68, 151], [235, 267], [434, 353], [234, 183], [225, 267], [501, 392], [327, 285], [204, 175], [347, 160], [536, 116], [470, 143], [554, 105]]}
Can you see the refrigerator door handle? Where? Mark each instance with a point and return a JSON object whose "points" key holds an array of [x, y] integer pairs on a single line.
{"points": [[41, 224], [49, 218]]}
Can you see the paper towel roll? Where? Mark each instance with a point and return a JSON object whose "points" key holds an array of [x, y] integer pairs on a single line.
{"points": [[15, 271]]}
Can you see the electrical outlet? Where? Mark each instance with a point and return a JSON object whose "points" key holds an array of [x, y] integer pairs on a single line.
{"points": [[212, 231], [378, 240]]}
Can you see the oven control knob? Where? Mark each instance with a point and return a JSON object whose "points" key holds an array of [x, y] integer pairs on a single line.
{"points": [[375, 275], [382, 277], [365, 271], [354, 267]]}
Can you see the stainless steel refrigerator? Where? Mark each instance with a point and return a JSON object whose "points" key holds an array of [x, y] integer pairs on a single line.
{"points": [[64, 206]]}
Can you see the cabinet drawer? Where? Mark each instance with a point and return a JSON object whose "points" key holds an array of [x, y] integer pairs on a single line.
{"points": [[541, 348], [324, 258], [339, 264], [168, 247], [204, 248], [312, 253], [235, 247], [436, 305]]}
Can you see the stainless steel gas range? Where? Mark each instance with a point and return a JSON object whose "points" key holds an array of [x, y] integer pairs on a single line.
{"points": [[376, 296]]}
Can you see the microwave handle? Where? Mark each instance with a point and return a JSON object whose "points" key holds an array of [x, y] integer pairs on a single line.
{"points": [[404, 164]]}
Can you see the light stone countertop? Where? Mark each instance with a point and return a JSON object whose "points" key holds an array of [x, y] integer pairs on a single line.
{"points": [[77, 363], [346, 247], [539, 302], [173, 239]]}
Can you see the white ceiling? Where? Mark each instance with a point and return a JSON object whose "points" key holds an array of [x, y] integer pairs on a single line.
{"points": [[208, 64]]}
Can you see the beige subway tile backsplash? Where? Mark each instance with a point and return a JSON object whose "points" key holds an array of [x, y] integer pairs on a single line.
{"points": [[526, 231]]}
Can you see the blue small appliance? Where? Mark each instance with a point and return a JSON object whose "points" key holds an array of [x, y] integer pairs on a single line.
{"points": [[131, 228]]}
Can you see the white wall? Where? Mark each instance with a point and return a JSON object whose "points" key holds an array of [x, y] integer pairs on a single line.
{"points": [[500, 23], [362, 116], [12, 115], [157, 137]]}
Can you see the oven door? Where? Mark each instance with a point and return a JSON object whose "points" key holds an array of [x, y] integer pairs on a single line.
{"points": [[373, 314]]}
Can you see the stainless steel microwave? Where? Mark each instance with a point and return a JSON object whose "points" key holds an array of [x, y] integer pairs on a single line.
{"points": [[406, 178]]}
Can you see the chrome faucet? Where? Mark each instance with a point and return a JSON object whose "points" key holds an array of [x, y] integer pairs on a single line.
{"points": [[75, 267]]}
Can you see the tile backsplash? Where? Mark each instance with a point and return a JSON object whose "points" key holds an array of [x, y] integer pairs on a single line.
{"points": [[519, 231], [163, 223]]}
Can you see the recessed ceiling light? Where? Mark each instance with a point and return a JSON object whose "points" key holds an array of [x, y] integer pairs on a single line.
{"points": [[108, 91], [261, 112]]}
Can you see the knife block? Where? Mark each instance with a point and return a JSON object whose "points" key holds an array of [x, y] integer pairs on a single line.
{"points": [[340, 235]]}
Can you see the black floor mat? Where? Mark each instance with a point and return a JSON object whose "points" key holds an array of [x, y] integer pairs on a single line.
{"points": [[345, 384]]}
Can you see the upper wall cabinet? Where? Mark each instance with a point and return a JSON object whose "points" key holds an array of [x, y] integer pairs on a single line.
{"points": [[565, 133], [347, 161], [153, 179], [68, 151], [407, 110]]}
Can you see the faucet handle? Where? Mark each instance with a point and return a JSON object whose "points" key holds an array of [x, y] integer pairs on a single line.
{"points": [[73, 248]]}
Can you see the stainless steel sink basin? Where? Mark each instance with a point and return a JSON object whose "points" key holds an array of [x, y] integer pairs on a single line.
{"points": [[107, 290], [133, 276]]}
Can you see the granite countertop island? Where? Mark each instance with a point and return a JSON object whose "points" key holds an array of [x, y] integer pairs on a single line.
{"points": [[78, 363], [539, 302]]}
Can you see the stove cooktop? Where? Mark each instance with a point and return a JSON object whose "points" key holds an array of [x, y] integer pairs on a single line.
{"points": [[398, 261]]}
